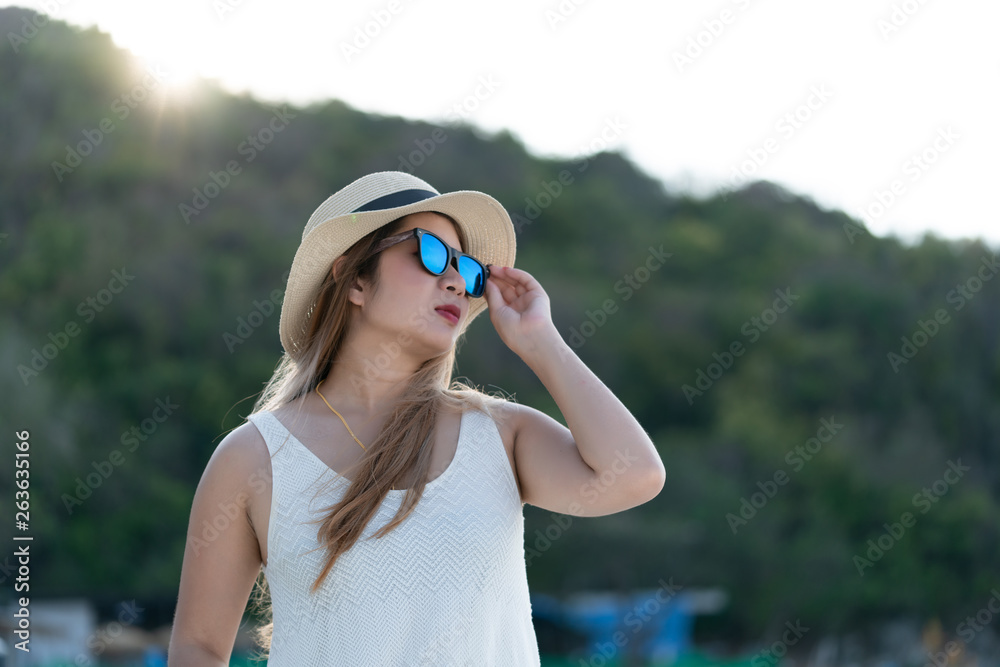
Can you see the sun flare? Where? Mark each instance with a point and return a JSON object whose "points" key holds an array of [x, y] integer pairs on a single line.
{"points": [[180, 54]]}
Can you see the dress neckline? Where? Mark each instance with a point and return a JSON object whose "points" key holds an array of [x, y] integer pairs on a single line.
{"points": [[431, 484]]}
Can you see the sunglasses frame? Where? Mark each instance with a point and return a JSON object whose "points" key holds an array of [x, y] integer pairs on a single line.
{"points": [[453, 255]]}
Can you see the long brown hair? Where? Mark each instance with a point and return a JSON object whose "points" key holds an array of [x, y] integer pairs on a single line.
{"points": [[402, 449]]}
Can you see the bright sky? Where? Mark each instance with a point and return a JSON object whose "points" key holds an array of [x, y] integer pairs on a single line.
{"points": [[886, 109]]}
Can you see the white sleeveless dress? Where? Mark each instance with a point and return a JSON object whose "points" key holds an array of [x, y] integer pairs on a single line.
{"points": [[448, 586]]}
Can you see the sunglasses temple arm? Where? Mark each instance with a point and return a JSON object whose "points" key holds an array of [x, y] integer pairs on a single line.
{"points": [[392, 240]]}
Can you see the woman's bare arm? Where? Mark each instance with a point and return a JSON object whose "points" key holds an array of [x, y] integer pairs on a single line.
{"points": [[222, 556]]}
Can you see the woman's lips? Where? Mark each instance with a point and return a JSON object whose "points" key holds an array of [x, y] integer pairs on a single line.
{"points": [[447, 314]]}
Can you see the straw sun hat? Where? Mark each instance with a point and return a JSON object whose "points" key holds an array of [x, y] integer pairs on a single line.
{"points": [[371, 202]]}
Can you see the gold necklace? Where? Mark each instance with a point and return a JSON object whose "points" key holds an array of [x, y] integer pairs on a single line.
{"points": [[342, 419], [339, 415]]}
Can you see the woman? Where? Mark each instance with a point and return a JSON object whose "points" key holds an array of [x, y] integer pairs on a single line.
{"points": [[384, 505]]}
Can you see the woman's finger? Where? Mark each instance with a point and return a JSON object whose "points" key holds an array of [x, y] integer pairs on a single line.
{"points": [[503, 289], [508, 287], [521, 281]]}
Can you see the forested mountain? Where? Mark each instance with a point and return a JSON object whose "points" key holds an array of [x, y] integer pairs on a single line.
{"points": [[826, 402]]}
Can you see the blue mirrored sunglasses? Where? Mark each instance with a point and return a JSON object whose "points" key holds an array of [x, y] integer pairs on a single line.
{"points": [[437, 256]]}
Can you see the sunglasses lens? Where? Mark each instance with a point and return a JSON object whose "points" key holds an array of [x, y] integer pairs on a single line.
{"points": [[474, 274], [433, 253]]}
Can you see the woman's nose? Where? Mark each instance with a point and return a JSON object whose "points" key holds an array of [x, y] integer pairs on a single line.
{"points": [[453, 277]]}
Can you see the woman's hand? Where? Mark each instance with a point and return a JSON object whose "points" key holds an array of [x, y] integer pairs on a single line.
{"points": [[519, 309]]}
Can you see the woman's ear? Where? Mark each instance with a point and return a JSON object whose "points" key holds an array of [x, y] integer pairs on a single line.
{"points": [[357, 291]]}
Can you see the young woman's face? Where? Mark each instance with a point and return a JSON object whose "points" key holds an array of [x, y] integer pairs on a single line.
{"points": [[408, 295]]}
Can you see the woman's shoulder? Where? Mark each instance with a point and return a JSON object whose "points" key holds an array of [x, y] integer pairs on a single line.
{"points": [[242, 456], [473, 400], [501, 410]]}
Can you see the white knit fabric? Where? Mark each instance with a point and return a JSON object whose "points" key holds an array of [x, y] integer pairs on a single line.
{"points": [[448, 586]]}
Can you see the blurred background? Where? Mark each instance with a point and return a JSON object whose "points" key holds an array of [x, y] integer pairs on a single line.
{"points": [[821, 377]]}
